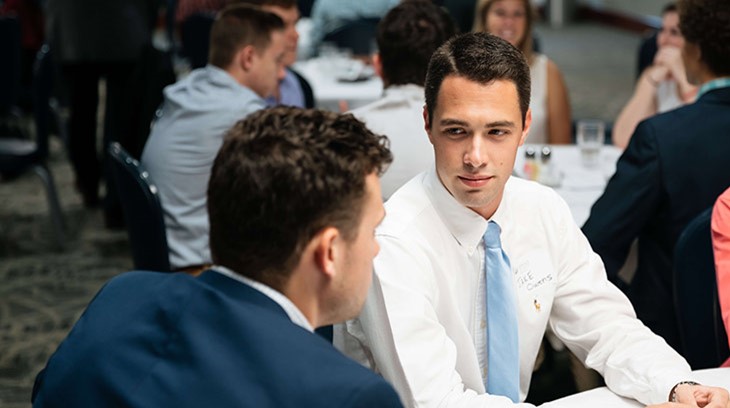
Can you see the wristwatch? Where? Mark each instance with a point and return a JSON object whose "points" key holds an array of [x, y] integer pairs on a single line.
{"points": [[673, 392]]}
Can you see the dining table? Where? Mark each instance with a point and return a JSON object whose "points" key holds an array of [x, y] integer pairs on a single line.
{"points": [[564, 169], [604, 398], [340, 83]]}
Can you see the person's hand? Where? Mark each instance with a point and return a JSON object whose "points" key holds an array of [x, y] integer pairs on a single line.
{"points": [[698, 396], [656, 73], [702, 396], [668, 64], [671, 57]]}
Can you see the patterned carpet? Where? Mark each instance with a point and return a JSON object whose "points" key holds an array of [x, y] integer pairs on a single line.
{"points": [[44, 288]]}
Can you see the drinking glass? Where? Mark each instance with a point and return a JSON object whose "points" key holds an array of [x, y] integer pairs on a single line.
{"points": [[590, 136]]}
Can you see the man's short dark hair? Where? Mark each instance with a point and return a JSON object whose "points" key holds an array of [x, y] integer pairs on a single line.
{"points": [[669, 8], [237, 26], [407, 36], [482, 58], [706, 23], [283, 175]]}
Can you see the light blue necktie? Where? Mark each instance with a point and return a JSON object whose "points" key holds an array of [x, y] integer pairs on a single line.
{"points": [[503, 359]]}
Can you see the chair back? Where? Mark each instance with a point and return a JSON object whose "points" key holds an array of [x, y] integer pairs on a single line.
{"points": [[195, 38], [41, 91], [356, 35], [18, 154], [703, 337], [646, 53], [10, 66], [142, 211], [306, 89]]}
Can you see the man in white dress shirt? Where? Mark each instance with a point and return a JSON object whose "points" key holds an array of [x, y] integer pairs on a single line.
{"points": [[406, 36], [424, 326]]}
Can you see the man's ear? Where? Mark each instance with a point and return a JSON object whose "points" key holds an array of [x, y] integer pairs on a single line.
{"points": [[427, 123], [327, 251], [245, 57], [378, 64], [526, 129]]}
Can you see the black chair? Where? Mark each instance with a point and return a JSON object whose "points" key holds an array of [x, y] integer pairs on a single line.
{"points": [[357, 36], [19, 155], [142, 211], [305, 7], [10, 72], [195, 38], [306, 89], [647, 51], [702, 334]]}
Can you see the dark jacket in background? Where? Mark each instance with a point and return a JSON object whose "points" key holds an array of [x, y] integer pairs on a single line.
{"points": [[674, 167], [100, 30]]}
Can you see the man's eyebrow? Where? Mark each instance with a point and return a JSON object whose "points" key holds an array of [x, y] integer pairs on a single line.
{"points": [[500, 123], [448, 122]]}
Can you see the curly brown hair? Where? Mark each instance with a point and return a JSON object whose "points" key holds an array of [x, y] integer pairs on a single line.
{"points": [[282, 175], [706, 23]]}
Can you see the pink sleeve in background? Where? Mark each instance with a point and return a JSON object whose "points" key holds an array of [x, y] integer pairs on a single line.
{"points": [[721, 247]]}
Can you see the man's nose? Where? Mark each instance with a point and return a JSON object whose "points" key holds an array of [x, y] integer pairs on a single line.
{"points": [[475, 155]]}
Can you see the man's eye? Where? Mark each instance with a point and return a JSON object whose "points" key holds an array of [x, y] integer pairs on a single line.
{"points": [[454, 131], [498, 132]]}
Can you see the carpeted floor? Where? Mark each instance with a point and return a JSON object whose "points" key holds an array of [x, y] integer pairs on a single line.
{"points": [[44, 288]]}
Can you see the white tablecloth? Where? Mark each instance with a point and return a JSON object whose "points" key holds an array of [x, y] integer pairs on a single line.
{"points": [[603, 398], [328, 92], [581, 186]]}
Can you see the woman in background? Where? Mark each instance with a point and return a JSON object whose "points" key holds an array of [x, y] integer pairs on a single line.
{"points": [[512, 21], [662, 86]]}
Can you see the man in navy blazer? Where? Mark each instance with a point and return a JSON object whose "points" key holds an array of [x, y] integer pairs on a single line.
{"points": [[293, 202], [674, 167]]}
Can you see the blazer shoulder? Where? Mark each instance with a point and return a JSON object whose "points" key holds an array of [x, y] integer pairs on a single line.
{"points": [[329, 375], [360, 388], [377, 394]]}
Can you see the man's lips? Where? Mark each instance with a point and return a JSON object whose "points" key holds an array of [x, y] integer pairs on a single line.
{"points": [[475, 180]]}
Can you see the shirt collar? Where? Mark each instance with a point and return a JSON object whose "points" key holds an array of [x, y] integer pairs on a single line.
{"points": [[222, 77], [296, 315], [465, 225], [717, 83], [411, 91]]}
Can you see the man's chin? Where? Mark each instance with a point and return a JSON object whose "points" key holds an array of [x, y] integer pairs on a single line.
{"points": [[474, 199]]}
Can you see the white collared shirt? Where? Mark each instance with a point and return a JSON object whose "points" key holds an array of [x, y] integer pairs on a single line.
{"points": [[399, 115], [423, 324], [296, 315]]}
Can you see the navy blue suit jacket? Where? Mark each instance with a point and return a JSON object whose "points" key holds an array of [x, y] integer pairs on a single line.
{"points": [[674, 167], [170, 340]]}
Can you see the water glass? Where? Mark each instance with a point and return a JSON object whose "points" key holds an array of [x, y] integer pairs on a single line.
{"points": [[590, 136]]}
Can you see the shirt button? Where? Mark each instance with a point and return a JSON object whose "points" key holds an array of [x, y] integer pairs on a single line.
{"points": [[484, 323]]}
